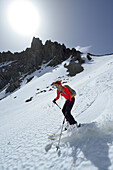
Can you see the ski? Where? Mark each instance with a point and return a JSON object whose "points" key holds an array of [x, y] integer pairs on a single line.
{"points": [[54, 135]]}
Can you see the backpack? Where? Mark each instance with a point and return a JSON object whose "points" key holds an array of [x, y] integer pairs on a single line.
{"points": [[73, 92]]}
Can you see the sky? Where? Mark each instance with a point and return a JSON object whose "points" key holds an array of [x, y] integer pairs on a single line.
{"points": [[80, 24]]}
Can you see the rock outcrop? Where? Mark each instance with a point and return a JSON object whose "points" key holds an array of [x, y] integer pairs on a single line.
{"points": [[15, 67]]}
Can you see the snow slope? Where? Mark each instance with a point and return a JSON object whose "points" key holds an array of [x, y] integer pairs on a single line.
{"points": [[24, 125]]}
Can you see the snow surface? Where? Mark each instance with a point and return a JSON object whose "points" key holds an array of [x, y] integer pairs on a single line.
{"points": [[24, 143]]}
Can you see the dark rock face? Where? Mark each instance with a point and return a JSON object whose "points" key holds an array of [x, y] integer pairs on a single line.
{"points": [[88, 57], [74, 68], [15, 67], [13, 85]]}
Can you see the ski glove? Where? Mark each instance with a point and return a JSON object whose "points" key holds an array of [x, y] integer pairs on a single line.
{"points": [[54, 101]]}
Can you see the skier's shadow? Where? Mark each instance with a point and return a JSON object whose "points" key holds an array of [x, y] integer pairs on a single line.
{"points": [[93, 143]]}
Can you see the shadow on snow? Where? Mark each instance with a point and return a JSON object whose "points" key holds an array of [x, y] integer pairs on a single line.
{"points": [[92, 141]]}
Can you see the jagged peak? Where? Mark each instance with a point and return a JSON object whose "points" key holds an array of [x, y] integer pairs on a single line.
{"points": [[36, 43]]}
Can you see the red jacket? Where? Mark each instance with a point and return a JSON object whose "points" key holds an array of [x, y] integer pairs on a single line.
{"points": [[65, 93]]}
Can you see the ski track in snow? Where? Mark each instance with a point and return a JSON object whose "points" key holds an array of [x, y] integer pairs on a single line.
{"points": [[24, 126]]}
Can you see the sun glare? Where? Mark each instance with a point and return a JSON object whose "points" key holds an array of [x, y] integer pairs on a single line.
{"points": [[23, 17]]}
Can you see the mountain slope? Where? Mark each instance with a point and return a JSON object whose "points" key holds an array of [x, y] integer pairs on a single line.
{"points": [[24, 125]]}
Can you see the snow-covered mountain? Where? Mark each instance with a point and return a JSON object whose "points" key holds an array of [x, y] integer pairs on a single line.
{"points": [[28, 115]]}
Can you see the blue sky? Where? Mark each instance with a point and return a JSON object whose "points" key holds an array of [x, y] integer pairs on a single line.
{"points": [[83, 23]]}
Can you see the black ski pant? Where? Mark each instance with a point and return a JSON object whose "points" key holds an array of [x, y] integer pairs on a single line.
{"points": [[67, 111]]}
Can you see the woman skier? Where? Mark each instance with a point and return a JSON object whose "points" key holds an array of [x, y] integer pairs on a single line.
{"points": [[70, 99]]}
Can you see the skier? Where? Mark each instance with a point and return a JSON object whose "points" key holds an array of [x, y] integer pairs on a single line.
{"points": [[70, 99]]}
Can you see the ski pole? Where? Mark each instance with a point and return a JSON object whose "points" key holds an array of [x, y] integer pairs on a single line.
{"points": [[58, 146], [58, 105], [59, 108]]}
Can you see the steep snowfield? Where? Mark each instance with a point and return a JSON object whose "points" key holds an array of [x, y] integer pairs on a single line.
{"points": [[24, 125]]}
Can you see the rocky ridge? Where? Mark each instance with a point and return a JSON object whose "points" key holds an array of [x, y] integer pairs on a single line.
{"points": [[15, 67]]}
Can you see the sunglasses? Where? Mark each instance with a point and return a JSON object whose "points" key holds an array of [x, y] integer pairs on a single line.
{"points": [[57, 85]]}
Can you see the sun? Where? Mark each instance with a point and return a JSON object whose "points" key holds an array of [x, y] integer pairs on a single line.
{"points": [[23, 17]]}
